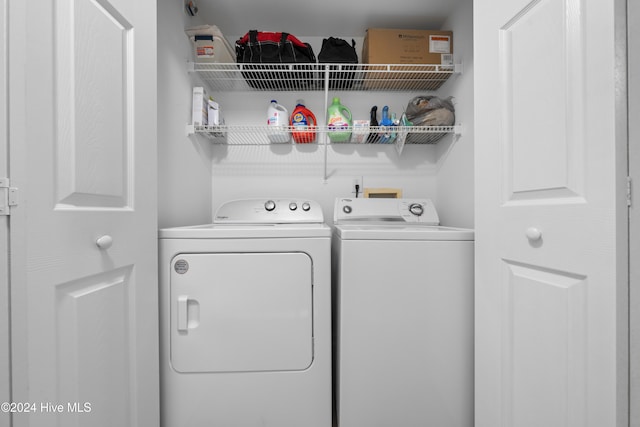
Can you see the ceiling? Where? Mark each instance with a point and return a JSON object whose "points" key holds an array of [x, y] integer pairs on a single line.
{"points": [[323, 18]]}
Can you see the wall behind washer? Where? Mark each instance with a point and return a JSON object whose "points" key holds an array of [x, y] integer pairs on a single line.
{"points": [[195, 177], [184, 163]]}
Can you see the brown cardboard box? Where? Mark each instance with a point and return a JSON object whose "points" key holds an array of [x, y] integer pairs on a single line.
{"points": [[390, 46], [397, 46]]}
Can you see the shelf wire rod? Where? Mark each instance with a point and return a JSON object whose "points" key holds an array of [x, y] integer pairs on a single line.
{"points": [[325, 136]]}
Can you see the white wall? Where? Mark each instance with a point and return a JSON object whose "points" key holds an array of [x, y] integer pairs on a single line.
{"points": [[455, 188], [298, 171], [442, 172], [184, 163]]}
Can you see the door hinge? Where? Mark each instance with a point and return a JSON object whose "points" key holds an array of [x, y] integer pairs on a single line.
{"points": [[8, 197], [628, 191]]}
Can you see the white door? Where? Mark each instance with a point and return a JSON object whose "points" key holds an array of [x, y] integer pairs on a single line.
{"points": [[4, 227], [551, 256], [633, 29], [83, 154]]}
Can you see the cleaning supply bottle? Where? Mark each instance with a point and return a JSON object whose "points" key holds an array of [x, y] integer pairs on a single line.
{"points": [[339, 122], [303, 124], [277, 123], [385, 123], [373, 137]]}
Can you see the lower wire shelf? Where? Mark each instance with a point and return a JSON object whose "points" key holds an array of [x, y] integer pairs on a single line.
{"points": [[266, 135]]}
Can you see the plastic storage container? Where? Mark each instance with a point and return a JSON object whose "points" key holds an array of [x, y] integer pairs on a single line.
{"points": [[210, 45]]}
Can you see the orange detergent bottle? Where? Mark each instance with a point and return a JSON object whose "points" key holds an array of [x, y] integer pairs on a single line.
{"points": [[303, 124]]}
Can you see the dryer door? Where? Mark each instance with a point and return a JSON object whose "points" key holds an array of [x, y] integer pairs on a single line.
{"points": [[240, 312]]}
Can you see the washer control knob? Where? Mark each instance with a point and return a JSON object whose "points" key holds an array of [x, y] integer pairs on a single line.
{"points": [[293, 206], [306, 206], [347, 209], [416, 208], [270, 205]]}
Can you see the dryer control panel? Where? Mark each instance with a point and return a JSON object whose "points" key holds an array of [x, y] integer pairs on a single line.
{"points": [[414, 211], [269, 211]]}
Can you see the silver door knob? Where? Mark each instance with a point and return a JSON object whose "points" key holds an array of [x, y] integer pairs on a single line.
{"points": [[533, 234], [104, 242]]}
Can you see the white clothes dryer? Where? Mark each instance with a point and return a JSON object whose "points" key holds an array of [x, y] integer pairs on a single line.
{"points": [[403, 315], [246, 318]]}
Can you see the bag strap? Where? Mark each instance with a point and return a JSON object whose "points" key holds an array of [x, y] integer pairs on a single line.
{"points": [[253, 36], [283, 42]]}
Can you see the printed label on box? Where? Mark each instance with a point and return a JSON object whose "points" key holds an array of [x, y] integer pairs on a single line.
{"points": [[439, 44], [204, 50]]}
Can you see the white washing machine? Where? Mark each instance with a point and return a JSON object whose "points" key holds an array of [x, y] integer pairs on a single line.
{"points": [[403, 320], [246, 318]]}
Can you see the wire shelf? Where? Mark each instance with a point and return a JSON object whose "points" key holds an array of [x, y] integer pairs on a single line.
{"points": [[264, 135], [316, 77]]}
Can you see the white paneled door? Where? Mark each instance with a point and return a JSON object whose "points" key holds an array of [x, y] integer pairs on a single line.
{"points": [[5, 394], [551, 213], [82, 135]]}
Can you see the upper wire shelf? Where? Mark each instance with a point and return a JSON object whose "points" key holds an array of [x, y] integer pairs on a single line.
{"points": [[316, 77]]}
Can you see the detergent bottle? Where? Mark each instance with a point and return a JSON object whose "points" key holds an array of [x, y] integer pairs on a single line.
{"points": [[303, 124], [339, 122], [277, 123]]}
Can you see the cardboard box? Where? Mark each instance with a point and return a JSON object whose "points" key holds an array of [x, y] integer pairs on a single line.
{"points": [[200, 107], [391, 46], [397, 46]]}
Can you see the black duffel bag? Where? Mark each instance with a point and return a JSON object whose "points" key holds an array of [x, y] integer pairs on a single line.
{"points": [[339, 51], [271, 50]]}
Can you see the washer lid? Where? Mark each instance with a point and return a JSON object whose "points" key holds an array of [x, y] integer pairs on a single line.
{"points": [[269, 211], [402, 232], [400, 211]]}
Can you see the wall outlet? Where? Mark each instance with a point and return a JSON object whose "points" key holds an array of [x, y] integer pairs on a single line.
{"points": [[357, 187]]}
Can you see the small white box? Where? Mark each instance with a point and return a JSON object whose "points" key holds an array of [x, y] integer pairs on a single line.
{"points": [[360, 131], [213, 116], [200, 109]]}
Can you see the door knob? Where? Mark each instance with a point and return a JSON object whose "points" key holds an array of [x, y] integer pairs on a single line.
{"points": [[533, 234], [104, 242]]}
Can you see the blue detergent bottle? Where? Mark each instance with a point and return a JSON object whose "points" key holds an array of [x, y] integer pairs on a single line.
{"points": [[385, 123]]}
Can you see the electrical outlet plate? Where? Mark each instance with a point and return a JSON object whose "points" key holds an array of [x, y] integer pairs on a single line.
{"points": [[357, 181]]}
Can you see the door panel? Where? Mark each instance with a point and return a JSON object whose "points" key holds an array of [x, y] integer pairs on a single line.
{"points": [[540, 54], [93, 68], [86, 331], [545, 340], [551, 214], [84, 315]]}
